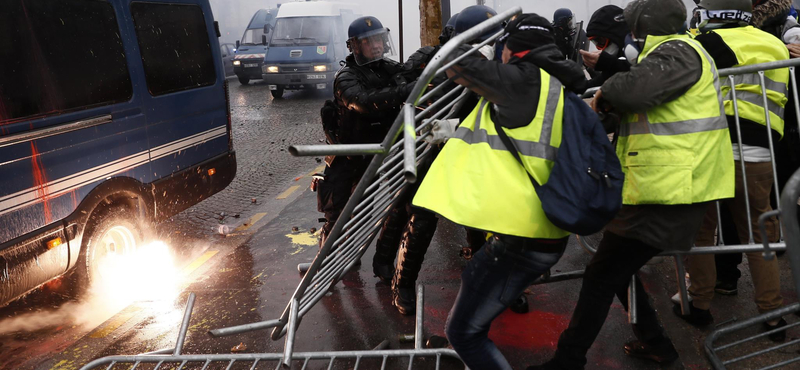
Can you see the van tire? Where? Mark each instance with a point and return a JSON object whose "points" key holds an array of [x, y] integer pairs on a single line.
{"points": [[243, 80], [117, 223], [277, 93]]}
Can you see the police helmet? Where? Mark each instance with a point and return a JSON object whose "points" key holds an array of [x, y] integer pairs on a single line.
{"points": [[368, 40], [711, 14], [473, 15], [448, 30], [565, 20]]}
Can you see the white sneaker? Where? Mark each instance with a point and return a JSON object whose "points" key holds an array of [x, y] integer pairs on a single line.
{"points": [[677, 298]]}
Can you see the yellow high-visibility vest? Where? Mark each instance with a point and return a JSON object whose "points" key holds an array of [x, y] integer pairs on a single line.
{"points": [[476, 181], [678, 152], [754, 46]]}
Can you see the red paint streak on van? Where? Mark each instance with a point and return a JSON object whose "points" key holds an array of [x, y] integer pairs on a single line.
{"points": [[40, 182]]}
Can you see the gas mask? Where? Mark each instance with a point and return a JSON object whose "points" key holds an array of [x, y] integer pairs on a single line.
{"points": [[633, 46]]}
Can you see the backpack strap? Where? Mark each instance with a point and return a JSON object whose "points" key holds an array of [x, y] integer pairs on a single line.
{"points": [[511, 148]]}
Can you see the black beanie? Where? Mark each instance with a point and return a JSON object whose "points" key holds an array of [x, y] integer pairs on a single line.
{"points": [[526, 32]]}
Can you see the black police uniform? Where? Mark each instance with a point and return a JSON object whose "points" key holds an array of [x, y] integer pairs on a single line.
{"points": [[368, 99]]}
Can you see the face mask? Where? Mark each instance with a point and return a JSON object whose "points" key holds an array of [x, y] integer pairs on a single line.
{"points": [[612, 49]]}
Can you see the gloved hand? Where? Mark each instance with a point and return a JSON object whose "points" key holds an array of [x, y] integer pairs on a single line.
{"points": [[440, 130]]}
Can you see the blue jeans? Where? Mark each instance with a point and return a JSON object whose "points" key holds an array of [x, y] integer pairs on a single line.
{"points": [[492, 280]]}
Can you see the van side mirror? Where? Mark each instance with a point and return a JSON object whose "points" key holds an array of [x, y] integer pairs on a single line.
{"points": [[237, 44], [264, 39]]}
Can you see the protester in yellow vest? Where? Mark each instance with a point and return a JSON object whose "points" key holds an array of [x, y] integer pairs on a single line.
{"points": [[676, 155], [477, 182], [732, 42]]}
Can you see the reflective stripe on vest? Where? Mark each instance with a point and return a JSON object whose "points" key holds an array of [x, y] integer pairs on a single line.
{"points": [[757, 99], [643, 126], [539, 149]]}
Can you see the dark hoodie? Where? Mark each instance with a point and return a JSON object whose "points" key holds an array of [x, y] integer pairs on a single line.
{"points": [[668, 72], [603, 24], [513, 88]]}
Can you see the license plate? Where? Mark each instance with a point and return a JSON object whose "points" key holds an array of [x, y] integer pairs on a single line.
{"points": [[251, 65], [315, 77]]}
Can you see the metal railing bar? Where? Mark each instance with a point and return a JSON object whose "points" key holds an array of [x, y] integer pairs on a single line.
{"points": [[755, 68], [335, 149], [187, 315], [781, 364], [205, 366], [255, 363], [409, 145], [289, 344], [435, 90], [230, 364], [741, 158], [760, 335], [771, 146], [418, 324], [436, 104], [761, 352], [180, 367]]}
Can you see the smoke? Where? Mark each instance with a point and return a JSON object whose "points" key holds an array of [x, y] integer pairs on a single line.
{"points": [[147, 275], [234, 15]]}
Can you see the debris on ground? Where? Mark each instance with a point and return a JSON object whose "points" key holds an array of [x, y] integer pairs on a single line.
{"points": [[312, 230], [241, 347], [295, 229]]}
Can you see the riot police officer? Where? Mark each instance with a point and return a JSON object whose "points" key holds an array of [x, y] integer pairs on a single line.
{"points": [[367, 98]]}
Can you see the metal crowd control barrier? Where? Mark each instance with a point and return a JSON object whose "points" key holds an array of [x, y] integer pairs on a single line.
{"points": [[174, 360], [789, 209], [393, 165], [756, 74]]}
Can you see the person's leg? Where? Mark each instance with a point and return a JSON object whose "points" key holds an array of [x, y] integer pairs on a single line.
{"points": [[609, 271], [416, 239], [651, 341], [498, 273], [765, 274], [388, 243], [702, 268]]}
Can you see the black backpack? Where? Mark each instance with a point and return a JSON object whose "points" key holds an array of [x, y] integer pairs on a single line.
{"points": [[330, 121], [584, 191]]}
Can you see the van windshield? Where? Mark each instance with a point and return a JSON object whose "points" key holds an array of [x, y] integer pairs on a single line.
{"points": [[253, 36], [302, 31]]}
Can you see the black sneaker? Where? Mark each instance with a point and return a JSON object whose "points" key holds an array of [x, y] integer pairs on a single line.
{"points": [[520, 305], [405, 299], [663, 353], [777, 336], [726, 288], [383, 272], [697, 317]]}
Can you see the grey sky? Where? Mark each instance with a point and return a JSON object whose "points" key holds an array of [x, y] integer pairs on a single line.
{"points": [[233, 15]]}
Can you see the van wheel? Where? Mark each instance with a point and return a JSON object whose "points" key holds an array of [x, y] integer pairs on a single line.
{"points": [[113, 233], [244, 80], [277, 93]]}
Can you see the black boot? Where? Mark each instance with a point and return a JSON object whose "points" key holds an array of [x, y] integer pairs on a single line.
{"points": [[697, 317], [415, 243], [388, 243], [777, 336], [662, 353], [405, 299], [520, 305]]}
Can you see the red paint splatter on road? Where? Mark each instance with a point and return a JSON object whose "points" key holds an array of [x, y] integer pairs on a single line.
{"points": [[533, 330], [40, 182]]}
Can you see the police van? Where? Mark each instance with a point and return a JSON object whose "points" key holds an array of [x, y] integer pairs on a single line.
{"points": [[113, 115], [252, 48], [307, 44]]}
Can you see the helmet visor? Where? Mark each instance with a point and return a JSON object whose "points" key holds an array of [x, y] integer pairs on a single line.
{"points": [[372, 46]]}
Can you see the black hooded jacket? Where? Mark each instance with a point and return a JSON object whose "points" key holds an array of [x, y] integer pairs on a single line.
{"points": [[513, 88], [603, 24], [369, 98]]}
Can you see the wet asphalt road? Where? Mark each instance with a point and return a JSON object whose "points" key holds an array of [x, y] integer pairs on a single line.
{"points": [[250, 274]]}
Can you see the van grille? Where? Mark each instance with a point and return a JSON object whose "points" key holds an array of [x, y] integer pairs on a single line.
{"points": [[295, 53]]}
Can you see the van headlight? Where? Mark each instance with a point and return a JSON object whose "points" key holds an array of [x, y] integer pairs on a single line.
{"points": [[322, 68], [272, 69], [237, 62]]}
